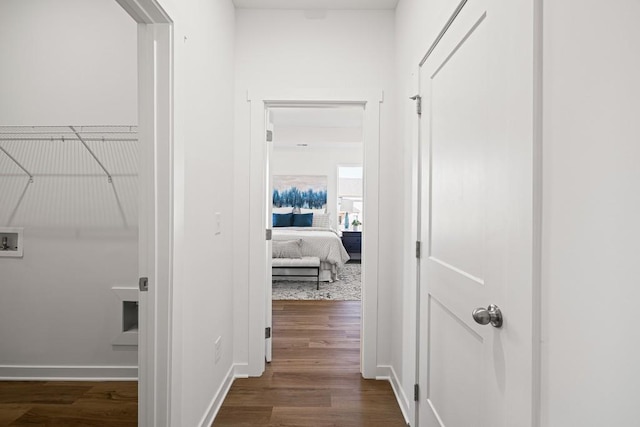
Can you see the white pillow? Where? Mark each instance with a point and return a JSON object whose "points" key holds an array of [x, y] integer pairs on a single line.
{"points": [[321, 220], [285, 210], [313, 211], [286, 248]]}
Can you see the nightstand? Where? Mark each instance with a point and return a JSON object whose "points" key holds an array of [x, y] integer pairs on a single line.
{"points": [[352, 241]]}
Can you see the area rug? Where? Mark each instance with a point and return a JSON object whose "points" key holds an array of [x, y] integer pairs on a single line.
{"points": [[346, 288]]}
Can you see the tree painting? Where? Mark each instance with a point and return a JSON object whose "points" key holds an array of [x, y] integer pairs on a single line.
{"points": [[300, 191]]}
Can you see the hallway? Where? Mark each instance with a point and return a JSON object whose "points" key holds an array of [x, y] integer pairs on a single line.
{"points": [[314, 378]]}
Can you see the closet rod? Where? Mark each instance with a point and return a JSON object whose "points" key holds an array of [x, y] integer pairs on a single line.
{"points": [[57, 132], [38, 130], [92, 153], [17, 163], [72, 139]]}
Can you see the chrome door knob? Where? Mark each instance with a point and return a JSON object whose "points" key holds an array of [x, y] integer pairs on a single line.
{"points": [[491, 314]]}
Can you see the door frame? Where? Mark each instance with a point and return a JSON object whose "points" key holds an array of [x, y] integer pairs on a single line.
{"points": [[155, 211], [259, 101]]}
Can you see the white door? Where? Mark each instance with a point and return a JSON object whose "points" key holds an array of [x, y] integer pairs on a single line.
{"points": [[477, 215]]}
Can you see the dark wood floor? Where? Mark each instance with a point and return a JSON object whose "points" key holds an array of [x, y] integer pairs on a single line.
{"points": [[68, 404], [314, 378]]}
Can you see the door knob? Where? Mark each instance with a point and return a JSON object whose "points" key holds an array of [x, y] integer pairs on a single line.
{"points": [[491, 314]]}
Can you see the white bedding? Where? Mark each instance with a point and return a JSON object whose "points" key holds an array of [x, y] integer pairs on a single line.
{"points": [[323, 243]]}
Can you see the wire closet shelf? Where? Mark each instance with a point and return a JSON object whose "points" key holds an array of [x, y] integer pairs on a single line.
{"points": [[71, 151], [81, 134]]}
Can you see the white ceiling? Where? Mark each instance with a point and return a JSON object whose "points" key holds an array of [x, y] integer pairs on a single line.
{"points": [[317, 127], [316, 4]]}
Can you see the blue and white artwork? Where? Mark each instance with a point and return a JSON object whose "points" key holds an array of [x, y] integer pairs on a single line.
{"points": [[300, 191]]}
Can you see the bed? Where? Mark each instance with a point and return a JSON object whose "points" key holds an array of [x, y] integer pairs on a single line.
{"points": [[321, 242]]}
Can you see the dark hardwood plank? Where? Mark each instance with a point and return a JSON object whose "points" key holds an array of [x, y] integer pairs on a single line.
{"points": [[42, 392], [10, 412], [245, 416], [68, 403], [314, 378]]}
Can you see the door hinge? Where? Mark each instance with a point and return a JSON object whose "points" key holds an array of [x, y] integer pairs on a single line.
{"points": [[269, 136], [143, 284], [267, 332], [418, 100], [416, 392], [268, 233], [418, 249]]}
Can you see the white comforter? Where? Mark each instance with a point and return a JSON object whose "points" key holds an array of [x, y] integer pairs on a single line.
{"points": [[323, 243]]}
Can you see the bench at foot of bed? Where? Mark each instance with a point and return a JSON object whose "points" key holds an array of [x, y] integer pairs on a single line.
{"points": [[282, 267]]}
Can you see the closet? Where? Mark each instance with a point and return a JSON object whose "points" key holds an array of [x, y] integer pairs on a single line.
{"points": [[69, 209]]}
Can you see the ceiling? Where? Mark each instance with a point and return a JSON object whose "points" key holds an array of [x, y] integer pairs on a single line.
{"points": [[317, 127], [316, 4]]}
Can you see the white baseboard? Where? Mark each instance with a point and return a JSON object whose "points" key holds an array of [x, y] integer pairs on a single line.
{"points": [[68, 373], [241, 370], [235, 371], [386, 372]]}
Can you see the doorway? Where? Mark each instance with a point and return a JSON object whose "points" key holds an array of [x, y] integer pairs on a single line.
{"points": [[107, 153], [260, 248], [316, 250]]}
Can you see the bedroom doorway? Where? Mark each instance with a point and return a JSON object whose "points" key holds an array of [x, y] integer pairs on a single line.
{"points": [[315, 210], [305, 147], [281, 130]]}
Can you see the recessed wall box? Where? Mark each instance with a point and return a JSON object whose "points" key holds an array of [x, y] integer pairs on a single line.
{"points": [[126, 316], [11, 242]]}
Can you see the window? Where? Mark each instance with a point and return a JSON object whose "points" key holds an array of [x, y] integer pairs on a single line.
{"points": [[350, 203]]}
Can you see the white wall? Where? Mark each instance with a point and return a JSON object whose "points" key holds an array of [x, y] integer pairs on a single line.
{"points": [[417, 24], [291, 135], [591, 375], [203, 177], [57, 306], [348, 49], [66, 62], [317, 161]]}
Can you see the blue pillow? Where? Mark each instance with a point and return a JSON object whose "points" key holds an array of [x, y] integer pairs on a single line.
{"points": [[302, 220], [282, 220]]}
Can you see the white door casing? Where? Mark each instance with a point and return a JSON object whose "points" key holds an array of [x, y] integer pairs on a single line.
{"points": [[258, 255], [154, 358], [479, 220], [268, 225], [155, 209]]}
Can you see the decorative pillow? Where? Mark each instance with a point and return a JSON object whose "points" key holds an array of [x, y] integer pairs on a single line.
{"points": [[286, 249], [321, 220], [282, 220], [284, 210], [313, 211], [302, 220]]}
